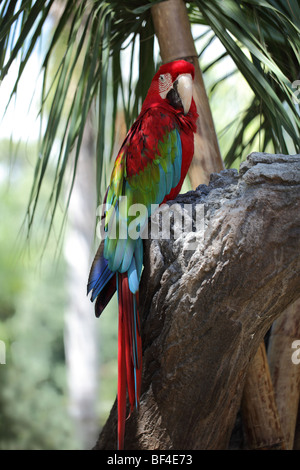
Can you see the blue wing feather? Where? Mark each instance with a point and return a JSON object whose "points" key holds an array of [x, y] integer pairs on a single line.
{"points": [[100, 274], [133, 280]]}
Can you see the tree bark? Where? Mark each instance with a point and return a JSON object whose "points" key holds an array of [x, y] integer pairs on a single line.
{"points": [[285, 373], [205, 311], [261, 421], [297, 433]]}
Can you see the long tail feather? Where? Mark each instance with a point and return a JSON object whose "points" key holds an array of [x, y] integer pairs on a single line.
{"points": [[103, 283], [129, 353]]}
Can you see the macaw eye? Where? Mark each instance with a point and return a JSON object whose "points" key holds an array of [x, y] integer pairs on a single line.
{"points": [[164, 84]]}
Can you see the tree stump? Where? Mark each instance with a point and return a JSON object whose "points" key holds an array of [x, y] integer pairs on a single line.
{"points": [[206, 310]]}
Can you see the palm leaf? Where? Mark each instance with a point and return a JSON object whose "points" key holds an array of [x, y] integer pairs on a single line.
{"points": [[251, 33], [95, 32], [260, 36]]}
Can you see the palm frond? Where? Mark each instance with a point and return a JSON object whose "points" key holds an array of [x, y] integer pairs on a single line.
{"points": [[260, 36], [95, 35]]}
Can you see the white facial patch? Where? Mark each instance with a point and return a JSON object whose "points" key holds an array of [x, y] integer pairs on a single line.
{"points": [[164, 84]]}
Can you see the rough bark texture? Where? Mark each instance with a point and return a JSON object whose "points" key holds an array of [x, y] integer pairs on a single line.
{"points": [[261, 423], [205, 311], [285, 373]]}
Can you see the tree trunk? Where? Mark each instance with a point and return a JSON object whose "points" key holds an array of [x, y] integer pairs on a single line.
{"points": [[297, 432], [261, 421], [173, 31], [80, 335], [81, 340], [206, 310], [284, 371]]}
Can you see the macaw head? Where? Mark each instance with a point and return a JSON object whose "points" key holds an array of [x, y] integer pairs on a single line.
{"points": [[172, 85]]}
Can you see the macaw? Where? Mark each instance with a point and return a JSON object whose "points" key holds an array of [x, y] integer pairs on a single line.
{"points": [[149, 169]]}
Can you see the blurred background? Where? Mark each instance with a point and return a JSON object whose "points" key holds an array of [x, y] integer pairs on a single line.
{"points": [[58, 372]]}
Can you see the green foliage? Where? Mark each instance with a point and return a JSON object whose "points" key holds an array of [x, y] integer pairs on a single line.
{"points": [[96, 32], [33, 395], [260, 36]]}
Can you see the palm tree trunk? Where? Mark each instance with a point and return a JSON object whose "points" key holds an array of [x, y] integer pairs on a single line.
{"points": [[173, 31]]}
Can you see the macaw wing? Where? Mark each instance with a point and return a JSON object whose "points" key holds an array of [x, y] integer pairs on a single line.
{"points": [[146, 169]]}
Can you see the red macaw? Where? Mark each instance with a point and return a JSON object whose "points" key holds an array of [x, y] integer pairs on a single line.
{"points": [[149, 169]]}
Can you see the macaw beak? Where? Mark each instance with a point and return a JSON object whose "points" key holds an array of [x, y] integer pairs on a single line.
{"points": [[183, 85]]}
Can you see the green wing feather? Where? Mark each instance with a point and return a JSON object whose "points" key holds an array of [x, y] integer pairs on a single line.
{"points": [[160, 172]]}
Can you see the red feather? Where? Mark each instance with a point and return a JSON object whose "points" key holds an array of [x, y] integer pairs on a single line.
{"points": [[129, 354]]}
